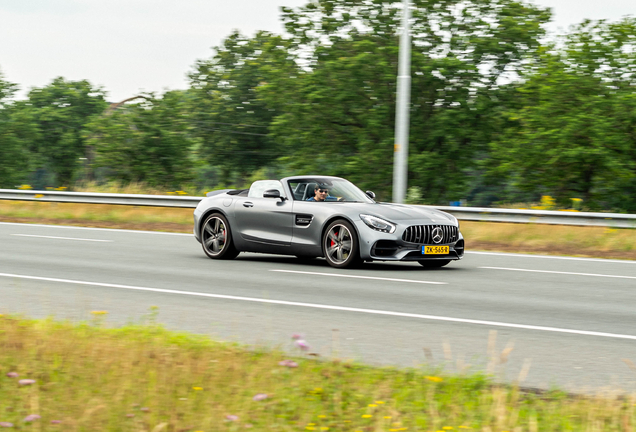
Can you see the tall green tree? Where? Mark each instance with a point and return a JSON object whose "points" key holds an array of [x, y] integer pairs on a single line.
{"points": [[148, 140], [338, 116], [16, 132], [230, 117], [61, 110], [571, 132]]}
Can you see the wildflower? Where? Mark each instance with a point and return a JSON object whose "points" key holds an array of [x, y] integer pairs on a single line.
{"points": [[387, 417], [260, 397], [379, 402], [322, 416], [288, 363], [56, 421], [447, 427], [197, 388], [372, 405], [32, 417], [434, 378], [13, 374], [367, 416], [310, 428], [25, 382], [297, 336], [99, 312], [302, 344], [6, 424], [231, 417]]}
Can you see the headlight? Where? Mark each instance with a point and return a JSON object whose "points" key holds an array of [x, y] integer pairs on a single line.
{"points": [[378, 224]]}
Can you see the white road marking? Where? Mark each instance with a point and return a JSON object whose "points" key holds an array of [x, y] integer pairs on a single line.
{"points": [[360, 277], [560, 272], [335, 308], [97, 229], [602, 260], [61, 238]]}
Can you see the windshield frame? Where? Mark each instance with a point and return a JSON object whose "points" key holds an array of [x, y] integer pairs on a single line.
{"points": [[340, 187]]}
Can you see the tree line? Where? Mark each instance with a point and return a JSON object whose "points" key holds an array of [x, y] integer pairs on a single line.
{"points": [[500, 111]]}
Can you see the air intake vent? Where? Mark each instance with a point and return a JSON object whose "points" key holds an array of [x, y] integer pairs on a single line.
{"points": [[303, 219], [422, 234]]}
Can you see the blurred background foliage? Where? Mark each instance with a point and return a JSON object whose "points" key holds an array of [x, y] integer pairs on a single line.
{"points": [[501, 112]]}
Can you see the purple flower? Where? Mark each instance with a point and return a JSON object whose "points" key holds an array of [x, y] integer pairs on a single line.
{"points": [[32, 417], [260, 397], [13, 374], [6, 424], [302, 344], [26, 382], [288, 363], [231, 417], [56, 421]]}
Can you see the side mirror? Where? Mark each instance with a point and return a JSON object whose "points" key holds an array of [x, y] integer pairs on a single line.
{"points": [[273, 193], [370, 194]]}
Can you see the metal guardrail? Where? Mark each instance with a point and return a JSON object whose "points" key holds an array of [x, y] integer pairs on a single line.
{"points": [[613, 220]]}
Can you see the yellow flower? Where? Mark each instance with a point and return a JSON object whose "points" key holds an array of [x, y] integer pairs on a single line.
{"points": [[310, 428], [379, 402], [322, 416], [197, 388], [434, 378], [372, 405], [387, 417], [311, 424], [367, 416], [99, 312], [447, 427]]}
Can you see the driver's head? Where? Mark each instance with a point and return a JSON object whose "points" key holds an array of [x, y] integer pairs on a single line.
{"points": [[321, 192]]}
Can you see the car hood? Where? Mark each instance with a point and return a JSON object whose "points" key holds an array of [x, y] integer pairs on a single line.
{"points": [[403, 212]]}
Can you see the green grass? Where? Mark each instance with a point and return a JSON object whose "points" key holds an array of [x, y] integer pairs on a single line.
{"points": [[145, 378]]}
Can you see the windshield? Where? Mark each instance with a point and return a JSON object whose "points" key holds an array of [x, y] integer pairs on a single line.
{"points": [[338, 190]]}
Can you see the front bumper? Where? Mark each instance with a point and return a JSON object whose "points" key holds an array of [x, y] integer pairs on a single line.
{"points": [[378, 246]]}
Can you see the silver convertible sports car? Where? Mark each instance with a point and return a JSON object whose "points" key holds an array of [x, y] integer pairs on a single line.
{"points": [[318, 216]]}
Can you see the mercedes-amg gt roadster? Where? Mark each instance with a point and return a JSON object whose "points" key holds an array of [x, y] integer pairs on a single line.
{"points": [[319, 216]]}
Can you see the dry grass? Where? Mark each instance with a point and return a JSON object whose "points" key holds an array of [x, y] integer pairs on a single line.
{"points": [[144, 378]]}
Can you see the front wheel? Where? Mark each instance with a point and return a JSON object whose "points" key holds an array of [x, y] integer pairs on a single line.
{"points": [[216, 238], [340, 245], [433, 263]]}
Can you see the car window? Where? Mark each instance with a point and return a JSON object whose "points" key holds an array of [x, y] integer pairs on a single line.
{"points": [[258, 187], [339, 189]]}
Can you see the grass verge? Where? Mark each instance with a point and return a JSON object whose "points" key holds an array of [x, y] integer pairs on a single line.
{"points": [[85, 377], [488, 236]]}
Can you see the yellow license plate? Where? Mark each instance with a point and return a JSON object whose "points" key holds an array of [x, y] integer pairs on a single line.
{"points": [[435, 250]]}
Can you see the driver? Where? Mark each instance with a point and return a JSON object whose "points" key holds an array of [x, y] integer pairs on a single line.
{"points": [[321, 193]]}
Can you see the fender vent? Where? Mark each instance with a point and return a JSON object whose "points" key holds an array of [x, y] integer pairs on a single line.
{"points": [[303, 220]]}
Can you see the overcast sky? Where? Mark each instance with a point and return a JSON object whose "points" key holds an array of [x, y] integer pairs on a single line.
{"points": [[131, 45]]}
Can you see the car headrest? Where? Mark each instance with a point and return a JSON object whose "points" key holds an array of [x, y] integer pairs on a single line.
{"points": [[309, 191]]}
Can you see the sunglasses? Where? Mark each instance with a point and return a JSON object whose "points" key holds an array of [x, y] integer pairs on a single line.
{"points": [[322, 191]]}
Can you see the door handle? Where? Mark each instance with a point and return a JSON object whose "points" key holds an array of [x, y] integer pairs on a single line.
{"points": [[248, 204]]}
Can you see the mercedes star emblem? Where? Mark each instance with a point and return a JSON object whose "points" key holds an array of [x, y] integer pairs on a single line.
{"points": [[438, 235]]}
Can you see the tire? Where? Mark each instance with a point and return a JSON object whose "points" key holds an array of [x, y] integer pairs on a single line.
{"points": [[340, 245], [305, 258], [433, 263], [216, 238]]}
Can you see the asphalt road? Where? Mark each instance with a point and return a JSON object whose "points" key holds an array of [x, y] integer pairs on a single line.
{"points": [[565, 321]]}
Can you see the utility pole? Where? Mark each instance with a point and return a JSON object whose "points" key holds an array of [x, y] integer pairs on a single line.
{"points": [[401, 148]]}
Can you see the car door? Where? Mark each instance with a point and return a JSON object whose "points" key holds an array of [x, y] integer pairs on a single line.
{"points": [[264, 220]]}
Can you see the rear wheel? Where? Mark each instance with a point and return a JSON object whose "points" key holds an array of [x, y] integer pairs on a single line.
{"points": [[433, 263], [216, 238], [340, 245]]}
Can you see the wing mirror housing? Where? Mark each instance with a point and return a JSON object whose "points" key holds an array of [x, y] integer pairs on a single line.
{"points": [[273, 193], [370, 194]]}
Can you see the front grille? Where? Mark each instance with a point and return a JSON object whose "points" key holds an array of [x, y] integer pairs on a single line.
{"points": [[423, 234]]}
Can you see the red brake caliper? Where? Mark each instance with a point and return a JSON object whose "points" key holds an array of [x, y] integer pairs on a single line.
{"points": [[332, 242]]}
